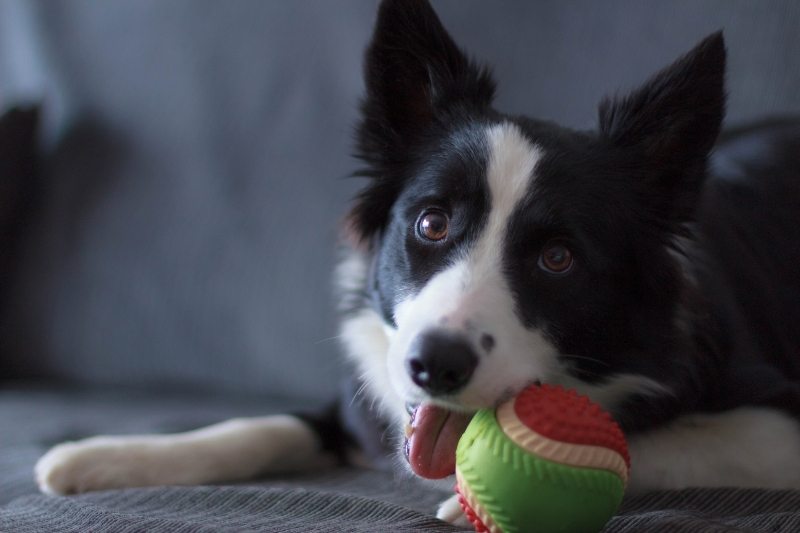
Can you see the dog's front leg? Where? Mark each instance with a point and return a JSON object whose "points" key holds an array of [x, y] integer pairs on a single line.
{"points": [[450, 511], [235, 450]]}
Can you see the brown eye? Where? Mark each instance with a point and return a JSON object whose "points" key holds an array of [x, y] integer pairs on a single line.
{"points": [[555, 258], [432, 225]]}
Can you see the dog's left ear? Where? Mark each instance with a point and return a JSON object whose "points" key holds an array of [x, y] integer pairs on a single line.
{"points": [[413, 69], [673, 120]]}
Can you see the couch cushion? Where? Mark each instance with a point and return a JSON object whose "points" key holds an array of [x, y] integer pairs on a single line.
{"points": [[214, 509], [344, 499], [336, 507]]}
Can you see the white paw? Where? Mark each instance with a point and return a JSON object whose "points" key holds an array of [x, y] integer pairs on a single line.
{"points": [[450, 511], [97, 463]]}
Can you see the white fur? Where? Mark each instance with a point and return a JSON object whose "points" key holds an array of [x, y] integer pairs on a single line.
{"points": [[366, 343], [235, 450], [472, 297], [364, 337], [615, 389], [450, 511], [746, 447]]}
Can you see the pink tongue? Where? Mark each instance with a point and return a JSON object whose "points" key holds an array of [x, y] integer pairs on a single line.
{"points": [[432, 445]]}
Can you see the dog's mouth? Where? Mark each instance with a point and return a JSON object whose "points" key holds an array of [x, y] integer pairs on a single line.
{"points": [[431, 439]]}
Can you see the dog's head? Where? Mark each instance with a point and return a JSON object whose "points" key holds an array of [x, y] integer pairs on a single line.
{"points": [[505, 250]]}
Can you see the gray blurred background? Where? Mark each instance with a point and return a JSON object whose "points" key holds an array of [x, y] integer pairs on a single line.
{"points": [[182, 229]]}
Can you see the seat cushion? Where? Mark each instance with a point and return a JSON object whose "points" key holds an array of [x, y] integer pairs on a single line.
{"points": [[344, 499]]}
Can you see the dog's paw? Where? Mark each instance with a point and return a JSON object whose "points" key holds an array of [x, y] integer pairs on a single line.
{"points": [[97, 463], [450, 511]]}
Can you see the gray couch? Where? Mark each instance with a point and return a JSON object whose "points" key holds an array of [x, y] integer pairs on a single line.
{"points": [[167, 255]]}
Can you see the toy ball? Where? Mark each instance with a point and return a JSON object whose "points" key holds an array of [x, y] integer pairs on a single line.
{"points": [[547, 460]]}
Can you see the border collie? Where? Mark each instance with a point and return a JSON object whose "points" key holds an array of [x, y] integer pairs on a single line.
{"points": [[650, 264]]}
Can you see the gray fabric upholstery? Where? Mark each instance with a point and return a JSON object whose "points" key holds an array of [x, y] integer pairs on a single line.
{"points": [[198, 150], [231, 509], [215, 509]]}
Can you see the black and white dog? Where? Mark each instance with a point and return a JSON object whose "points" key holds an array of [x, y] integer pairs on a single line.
{"points": [[490, 252]]}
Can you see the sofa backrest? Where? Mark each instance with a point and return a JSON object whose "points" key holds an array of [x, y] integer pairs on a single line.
{"points": [[196, 157]]}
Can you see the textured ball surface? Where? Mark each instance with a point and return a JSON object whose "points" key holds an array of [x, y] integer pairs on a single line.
{"points": [[547, 460]]}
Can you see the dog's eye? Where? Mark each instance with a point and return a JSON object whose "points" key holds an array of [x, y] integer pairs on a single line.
{"points": [[555, 258], [432, 225]]}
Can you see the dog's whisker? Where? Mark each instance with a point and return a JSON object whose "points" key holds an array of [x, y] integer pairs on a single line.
{"points": [[585, 358], [329, 339], [359, 391]]}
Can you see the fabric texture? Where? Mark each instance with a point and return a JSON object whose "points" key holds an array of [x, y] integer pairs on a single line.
{"points": [[214, 509], [343, 499], [270, 508]]}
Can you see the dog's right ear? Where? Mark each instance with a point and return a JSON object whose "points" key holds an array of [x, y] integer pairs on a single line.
{"points": [[413, 73]]}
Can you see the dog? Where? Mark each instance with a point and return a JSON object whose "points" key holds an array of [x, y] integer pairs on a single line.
{"points": [[652, 264]]}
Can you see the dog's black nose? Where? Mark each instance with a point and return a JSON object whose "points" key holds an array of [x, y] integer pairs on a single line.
{"points": [[441, 362]]}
